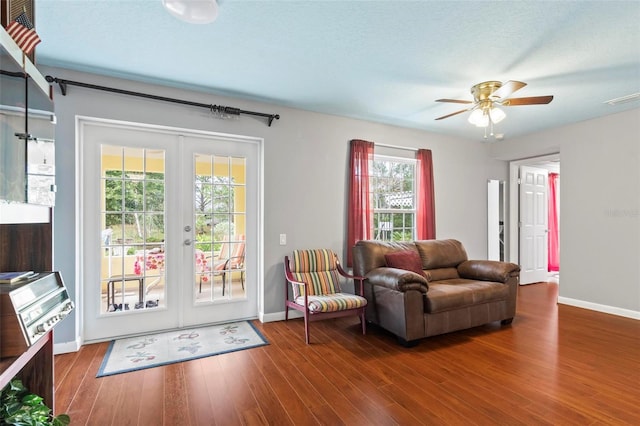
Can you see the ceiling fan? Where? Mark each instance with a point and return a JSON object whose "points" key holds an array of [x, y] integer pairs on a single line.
{"points": [[487, 96]]}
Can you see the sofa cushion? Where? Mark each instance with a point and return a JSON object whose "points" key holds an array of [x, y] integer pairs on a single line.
{"points": [[441, 253], [459, 293], [409, 260], [443, 274]]}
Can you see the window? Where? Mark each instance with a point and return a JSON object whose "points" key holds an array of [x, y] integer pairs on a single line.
{"points": [[219, 200], [393, 197]]}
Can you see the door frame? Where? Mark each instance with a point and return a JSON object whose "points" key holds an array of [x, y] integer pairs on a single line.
{"points": [[80, 121], [514, 200]]}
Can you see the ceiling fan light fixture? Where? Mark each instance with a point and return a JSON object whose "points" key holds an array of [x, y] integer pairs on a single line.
{"points": [[487, 96], [192, 11]]}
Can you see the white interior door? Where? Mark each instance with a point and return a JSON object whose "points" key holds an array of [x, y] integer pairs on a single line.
{"points": [[533, 225], [150, 246]]}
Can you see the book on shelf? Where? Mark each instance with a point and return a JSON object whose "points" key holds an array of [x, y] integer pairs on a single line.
{"points": [[14, 277]]}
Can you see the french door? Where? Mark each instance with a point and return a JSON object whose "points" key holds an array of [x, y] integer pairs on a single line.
{"points": [[169, 228]]}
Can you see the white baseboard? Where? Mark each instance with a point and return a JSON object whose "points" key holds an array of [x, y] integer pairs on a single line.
{"points": [[279, 316], [67, 347], [628, 313]]}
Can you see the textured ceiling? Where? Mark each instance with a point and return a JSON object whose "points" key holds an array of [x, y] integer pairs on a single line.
{"points": [[384, 61]]}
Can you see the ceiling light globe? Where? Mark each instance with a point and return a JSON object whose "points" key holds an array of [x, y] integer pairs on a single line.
{"points": [[483, 121], [497, 115], [476, 117], [193, 11]]}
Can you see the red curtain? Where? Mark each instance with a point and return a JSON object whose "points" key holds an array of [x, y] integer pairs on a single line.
{"points": [[554, 248], [425, 198], [360, 213]]}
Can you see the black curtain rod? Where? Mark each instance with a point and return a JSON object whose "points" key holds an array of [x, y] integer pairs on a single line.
{"points": [[213, 108]]}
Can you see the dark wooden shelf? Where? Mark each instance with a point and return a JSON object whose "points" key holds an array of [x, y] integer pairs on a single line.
{"points": [[34, 367]]}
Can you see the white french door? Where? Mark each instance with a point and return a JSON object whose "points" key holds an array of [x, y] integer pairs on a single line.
{"points": [[533, 225], [220, 228], [169, 228]]}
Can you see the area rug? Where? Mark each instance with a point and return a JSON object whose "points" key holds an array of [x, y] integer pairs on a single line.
{"points": [[137, 353]]}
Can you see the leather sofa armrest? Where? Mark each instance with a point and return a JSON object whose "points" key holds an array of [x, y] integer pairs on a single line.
{"points": [[488, 270], [397, 279]]}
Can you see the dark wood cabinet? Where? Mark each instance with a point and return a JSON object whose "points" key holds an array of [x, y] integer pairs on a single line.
{"points": [[26, 247]]}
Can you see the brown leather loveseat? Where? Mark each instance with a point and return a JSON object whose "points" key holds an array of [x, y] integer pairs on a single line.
{"points": [[452, 293]]}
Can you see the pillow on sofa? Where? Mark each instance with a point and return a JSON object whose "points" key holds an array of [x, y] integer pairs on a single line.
{"points": [[409, 260]]}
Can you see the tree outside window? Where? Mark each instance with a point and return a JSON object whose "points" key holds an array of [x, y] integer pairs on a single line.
{"points": [[134, 202], [213, 207]]}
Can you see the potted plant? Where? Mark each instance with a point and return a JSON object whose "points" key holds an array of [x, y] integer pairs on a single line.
{"points": [[20, 407]]}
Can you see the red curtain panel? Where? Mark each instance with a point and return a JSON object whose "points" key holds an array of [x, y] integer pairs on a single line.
{"points": [[360, 212], [425, 197]]}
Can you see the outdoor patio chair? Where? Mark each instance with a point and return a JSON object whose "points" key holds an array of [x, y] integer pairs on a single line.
{"points": [[230, 259]]}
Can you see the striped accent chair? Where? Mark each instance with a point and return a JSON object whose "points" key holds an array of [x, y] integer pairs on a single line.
{"points": [[314, 278]]}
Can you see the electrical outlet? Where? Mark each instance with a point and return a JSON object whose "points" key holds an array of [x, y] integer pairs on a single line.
{"points": [[283, 239]]}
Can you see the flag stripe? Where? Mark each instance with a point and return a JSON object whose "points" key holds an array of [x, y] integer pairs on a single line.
{"points": [[22, 31]]}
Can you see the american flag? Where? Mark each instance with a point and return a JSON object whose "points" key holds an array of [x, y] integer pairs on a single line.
{"points": [[22, 31]]}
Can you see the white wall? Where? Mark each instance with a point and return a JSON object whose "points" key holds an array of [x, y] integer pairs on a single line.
{"points": [[305, 173], [600, 199]]}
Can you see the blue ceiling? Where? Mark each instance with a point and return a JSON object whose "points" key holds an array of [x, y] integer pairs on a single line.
{"points": [[383, 61]]}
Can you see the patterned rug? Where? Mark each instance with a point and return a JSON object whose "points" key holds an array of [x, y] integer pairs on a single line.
{"points": [[137, 353]]}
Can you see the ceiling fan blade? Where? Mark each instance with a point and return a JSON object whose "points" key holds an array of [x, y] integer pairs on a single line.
{"points": [[533, 100], [455, 101], [452, 114], [507, 89]]}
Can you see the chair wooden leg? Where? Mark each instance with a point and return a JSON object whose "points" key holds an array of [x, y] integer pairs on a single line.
{"points": [[306, 327], [364, 323], [224, 279]]}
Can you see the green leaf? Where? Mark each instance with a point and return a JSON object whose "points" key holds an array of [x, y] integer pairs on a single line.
{"points": [[16, 386], [61, 420], [12, 408], [31, 399], [41, 411]]}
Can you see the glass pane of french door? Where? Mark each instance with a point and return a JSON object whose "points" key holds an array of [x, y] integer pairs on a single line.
{"points": [[220, 227], [133, 228]]}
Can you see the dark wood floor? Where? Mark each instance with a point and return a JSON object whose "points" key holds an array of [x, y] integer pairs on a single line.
{"points": [[555, 364]]}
